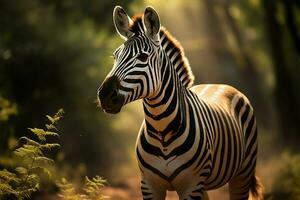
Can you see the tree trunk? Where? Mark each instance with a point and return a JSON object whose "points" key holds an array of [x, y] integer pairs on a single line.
{"points": [[285, 97], [214, 31], [291, 24], [252, 79]]}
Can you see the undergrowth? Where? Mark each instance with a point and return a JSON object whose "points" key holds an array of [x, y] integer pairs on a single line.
{"points": [[32, 164], [91, 190]]}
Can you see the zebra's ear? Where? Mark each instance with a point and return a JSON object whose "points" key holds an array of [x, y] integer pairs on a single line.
{"points": [[122, 22], [151, 22]]}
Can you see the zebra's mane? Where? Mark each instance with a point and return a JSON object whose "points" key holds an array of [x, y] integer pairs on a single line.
{"points": [[173, 49]]}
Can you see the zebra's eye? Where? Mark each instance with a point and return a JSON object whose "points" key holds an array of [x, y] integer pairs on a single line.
{"points": [[143, 57]]}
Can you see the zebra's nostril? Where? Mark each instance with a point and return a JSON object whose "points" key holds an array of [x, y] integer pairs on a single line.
{"points": [[115, 97], [114, 93], [108, 94], [114, 100]]}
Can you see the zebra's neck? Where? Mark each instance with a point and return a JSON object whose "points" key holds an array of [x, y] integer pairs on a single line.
{"points": [[165, 112]]}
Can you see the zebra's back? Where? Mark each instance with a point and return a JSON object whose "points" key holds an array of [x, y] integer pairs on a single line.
{"points": [[232, 131]]}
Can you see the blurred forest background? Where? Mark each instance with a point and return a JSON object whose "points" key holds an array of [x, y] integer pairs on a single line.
{"points": [[55, 54]]}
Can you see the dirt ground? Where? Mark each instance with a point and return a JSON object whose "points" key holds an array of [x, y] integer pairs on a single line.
{"points": [[131, 191]]}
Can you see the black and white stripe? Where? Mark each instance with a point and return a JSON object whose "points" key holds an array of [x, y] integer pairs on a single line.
{"points": [[193, 138]]}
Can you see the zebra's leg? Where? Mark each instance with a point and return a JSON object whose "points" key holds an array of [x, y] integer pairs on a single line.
{"points": [[239, 186], [197, 193], [151, 192]]}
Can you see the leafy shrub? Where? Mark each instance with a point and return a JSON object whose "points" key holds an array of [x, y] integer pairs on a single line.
{"points": [[31, 163]]}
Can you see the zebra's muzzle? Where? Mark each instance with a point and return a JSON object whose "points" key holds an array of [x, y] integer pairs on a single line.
{"points": [[110, 99]]}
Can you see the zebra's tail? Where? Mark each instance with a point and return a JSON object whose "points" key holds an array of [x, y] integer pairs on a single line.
{"points": [[256, 189]]}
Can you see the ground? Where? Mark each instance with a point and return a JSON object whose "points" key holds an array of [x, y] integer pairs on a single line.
{"points": [[130, 191]]}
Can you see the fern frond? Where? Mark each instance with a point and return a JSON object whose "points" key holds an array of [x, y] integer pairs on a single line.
{"points": [[51, 119], [93, 187], [40, 133], [43, 161], [65, 186], [30, 141], [32, 164], [28, 151], [49, 146], [56, 117], [42, 170], [67, 190], [51, 133], [5, 189], [25, 193], [21, 170], [60, 113], [4, 173], [51, 127], [36, 149], [33, 178], [7, 176]]}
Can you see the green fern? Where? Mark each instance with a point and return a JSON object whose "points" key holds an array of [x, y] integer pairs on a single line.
{"points": [[25, 179], [92, 189], [67, 190], [33, 165]]}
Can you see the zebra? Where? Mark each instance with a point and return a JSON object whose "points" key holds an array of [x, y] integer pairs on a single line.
{"points": [[193, 138]]}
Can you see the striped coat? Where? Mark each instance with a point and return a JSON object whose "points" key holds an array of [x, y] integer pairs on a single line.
{"points": [[193, 138]]}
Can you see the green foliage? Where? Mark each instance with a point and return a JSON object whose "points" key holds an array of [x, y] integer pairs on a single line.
{"points": [[92, 189], [55, 54], [32, 163]]}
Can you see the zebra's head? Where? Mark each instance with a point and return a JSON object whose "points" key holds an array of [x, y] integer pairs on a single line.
{"points": [[135, 74]]}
